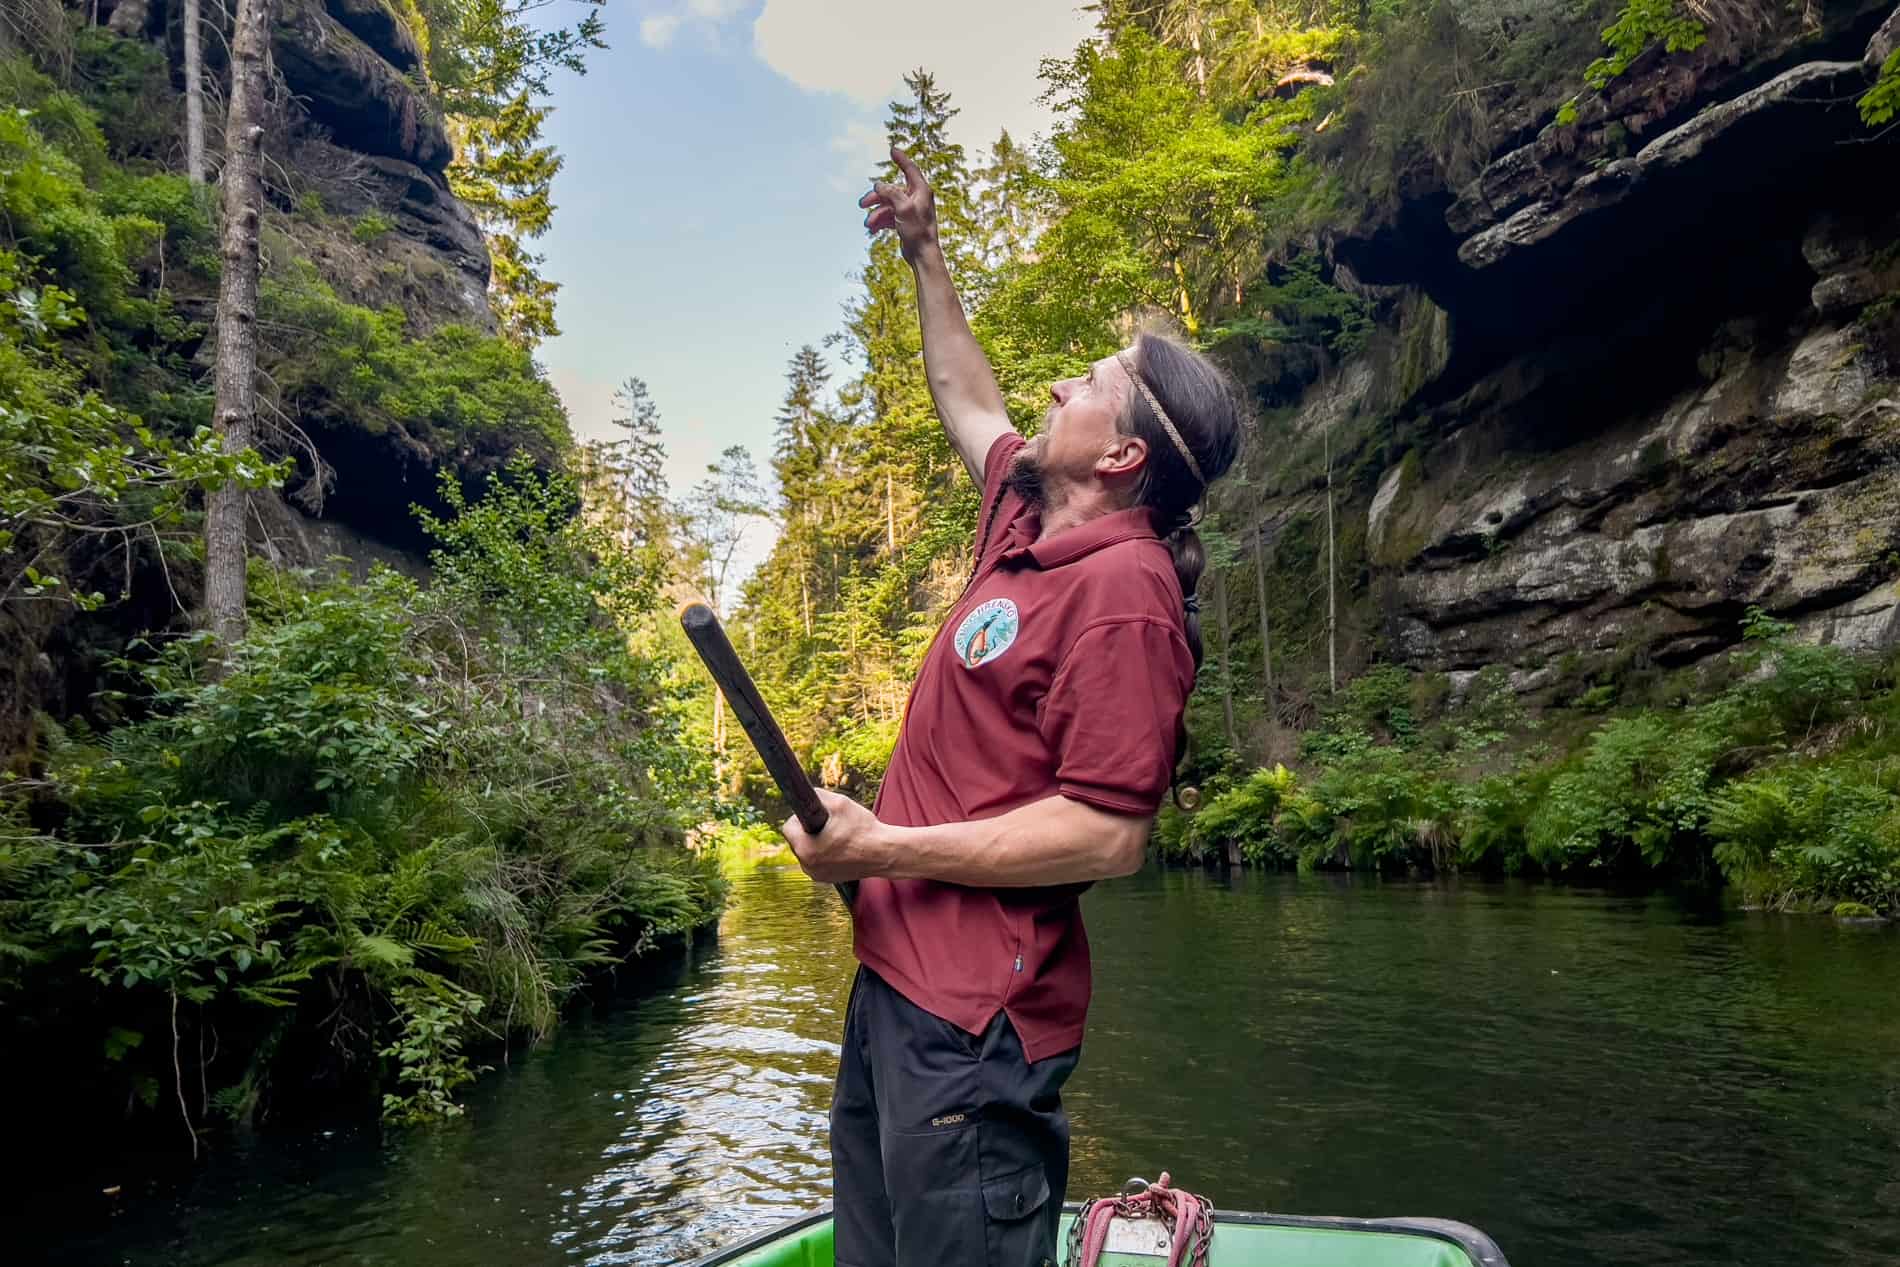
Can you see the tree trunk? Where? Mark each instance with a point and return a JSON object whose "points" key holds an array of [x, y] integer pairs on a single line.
{"points": [[194, 98], [235, 412], [1226, 661], [1332, 598], [890, 513], [1266, 633]]}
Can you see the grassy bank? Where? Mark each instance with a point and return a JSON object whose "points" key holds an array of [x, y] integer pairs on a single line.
{"points": [[1776, 769]]}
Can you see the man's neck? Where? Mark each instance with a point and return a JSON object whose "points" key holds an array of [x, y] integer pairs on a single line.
{"points": [[1073, 507]]}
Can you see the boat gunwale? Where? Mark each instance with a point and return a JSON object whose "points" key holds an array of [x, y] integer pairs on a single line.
{"points": [[1478, 1247]]}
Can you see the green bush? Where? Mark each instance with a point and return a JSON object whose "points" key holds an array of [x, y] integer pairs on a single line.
{"points": [[359, 367], [1244, 816], [1641, 781], [1794, 833], [371, 225], [423, 814]]}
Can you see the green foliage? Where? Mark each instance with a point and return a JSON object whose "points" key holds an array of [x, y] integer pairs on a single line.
{"points": [[358, 367], [1788, 781], [1245, 816], [489, 63], [1638, 27], [1166, 199], [371, 225], [1641, 781], [1882, 102], [450, 804]]}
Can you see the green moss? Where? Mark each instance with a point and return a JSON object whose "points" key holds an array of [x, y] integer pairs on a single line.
{"points": [[1854, 910]]}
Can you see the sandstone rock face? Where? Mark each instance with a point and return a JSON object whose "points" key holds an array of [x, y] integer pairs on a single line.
{"points": [[1797, 98], [376, 24], [1885, 41], [1668, 388], [382, 147], [354, 91], [1776, 485]]}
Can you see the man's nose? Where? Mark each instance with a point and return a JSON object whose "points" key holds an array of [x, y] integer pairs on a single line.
{"points": [[1061, 391]]}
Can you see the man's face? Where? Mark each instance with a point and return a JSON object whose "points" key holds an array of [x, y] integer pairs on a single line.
{"points": [[1079, 429]]}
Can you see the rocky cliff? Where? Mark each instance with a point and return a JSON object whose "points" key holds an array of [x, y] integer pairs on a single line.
{"points": [[360, 198], [1639, 375]]}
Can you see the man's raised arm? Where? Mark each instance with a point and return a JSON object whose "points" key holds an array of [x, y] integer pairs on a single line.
{"points": [[961, 382]]}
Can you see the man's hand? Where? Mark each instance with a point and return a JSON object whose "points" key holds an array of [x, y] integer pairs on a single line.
{"points": [[909, 208], [851, 847]]}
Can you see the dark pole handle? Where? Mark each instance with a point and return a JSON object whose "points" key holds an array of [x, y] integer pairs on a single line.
{"points": [[709, 639]]}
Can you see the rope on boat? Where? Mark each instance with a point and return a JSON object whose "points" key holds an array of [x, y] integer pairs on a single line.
{"points": [[1188, 1218]]}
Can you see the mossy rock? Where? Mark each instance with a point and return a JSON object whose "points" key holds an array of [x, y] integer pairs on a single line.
{"points": [[1857, 913]]}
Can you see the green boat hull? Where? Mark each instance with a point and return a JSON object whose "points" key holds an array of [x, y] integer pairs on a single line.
{"points": [[1240, 1240]]}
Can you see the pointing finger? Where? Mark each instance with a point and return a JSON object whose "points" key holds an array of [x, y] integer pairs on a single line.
{"points": [[912, 175]]}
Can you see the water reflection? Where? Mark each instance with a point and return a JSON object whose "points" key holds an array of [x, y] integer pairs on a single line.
{"points": [[1594, 1080]]}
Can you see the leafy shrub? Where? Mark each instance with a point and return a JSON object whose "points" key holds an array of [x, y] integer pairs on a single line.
{"points": [[432, 812], [371, 225], [1640, 781], [1245, 816], [1800, 833], [352, 366]]}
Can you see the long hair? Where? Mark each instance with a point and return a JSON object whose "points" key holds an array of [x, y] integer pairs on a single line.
{"points": [[1205, 407]]}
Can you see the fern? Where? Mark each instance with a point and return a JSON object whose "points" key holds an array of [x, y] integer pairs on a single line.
{"points": [[1882, 102]]}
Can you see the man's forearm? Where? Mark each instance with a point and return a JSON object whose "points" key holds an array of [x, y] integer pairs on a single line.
{"points": [[1051, 841], [961, 382]]}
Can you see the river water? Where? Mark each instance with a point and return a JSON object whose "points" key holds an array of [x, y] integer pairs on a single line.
{"points": [[1594, 1080]]}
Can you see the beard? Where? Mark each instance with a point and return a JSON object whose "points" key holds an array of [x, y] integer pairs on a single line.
{"points": [[1025, 479]]}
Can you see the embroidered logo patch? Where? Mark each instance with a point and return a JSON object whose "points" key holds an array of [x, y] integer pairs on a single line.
{"points": [[986, 632]]}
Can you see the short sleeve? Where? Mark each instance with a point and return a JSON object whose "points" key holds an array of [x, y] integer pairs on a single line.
{"points": [[991, 517], [1113, 713]]}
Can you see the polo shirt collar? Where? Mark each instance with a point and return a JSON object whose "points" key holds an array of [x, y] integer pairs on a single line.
{"points": [[1132, 524]]}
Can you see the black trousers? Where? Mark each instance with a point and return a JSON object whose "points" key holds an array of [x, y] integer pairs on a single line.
{"points": [[947, 1149]]}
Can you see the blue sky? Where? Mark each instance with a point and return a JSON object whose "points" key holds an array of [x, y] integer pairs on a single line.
{"points": [[707, 222]]}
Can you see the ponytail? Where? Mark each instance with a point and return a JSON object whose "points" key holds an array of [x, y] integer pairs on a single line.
{"points": [[1190, 560]]}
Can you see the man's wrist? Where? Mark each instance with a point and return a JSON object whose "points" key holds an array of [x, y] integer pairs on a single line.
{"points": [[927, 256], [887, 846]]}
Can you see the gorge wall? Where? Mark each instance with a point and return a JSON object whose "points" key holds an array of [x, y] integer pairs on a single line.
{"points": [[354, 142], [1639, 375]]}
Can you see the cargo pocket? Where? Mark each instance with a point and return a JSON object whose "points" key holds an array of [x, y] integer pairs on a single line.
{"points": [[1016, 1228]]}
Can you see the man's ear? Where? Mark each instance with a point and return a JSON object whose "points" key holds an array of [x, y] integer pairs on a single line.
{"points": [[1123, 458]]}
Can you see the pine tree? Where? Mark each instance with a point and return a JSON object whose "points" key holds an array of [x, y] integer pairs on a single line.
{"points": [[637, 462], [1006, 204], [506, 176]]}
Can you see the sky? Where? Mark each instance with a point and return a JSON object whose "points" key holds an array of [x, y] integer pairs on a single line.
{"points": [[707, 222]]}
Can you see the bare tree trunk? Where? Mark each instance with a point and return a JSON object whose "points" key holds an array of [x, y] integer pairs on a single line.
{"points": [[890, 514], [194, 98], [1332, 597], [235, 411], [1226, 661], [1266, 633], [1200, 59]]}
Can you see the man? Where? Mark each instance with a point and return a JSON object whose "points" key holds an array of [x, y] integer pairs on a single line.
{"points": [[1038, 742]]}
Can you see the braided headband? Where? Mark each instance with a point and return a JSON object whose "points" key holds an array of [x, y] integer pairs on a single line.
{"points": [[1167, 424]]}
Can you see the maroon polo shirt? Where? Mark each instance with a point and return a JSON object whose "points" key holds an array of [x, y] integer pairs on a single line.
{"points": [[1063, 669]]}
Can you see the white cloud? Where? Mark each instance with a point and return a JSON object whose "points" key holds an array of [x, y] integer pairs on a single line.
{"points": [[863, 148], [715, 10], [658, 31], [985, 52]]}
